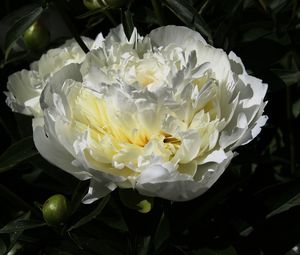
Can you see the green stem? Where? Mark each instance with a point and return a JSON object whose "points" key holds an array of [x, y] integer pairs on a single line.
{"points": [[61, 9]]}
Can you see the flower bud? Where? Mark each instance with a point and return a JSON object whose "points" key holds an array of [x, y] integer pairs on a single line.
{"points": [[91, 4], [36, 37], [133, 200], [95, 4], [56, 210]]}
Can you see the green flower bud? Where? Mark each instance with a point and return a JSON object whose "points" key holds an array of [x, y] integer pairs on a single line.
{"points": [[56, 210], [95, 4], [133, 200], [36, 37], [91, 4]]}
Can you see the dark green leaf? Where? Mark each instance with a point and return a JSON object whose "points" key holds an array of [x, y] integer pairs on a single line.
{"points": [[158, 11], [19, 27], [13, 199], [16, 57], [61, 7], [14, 236], [115, 223], [162, 232], [206, 251], [128, 23], [16, 153], [113, 217], [101, 246], [78, 194], [146, 15], [3, 247], [296, 108], [290, 77], [21, 225], [92, 215], [144, 246], [188, 15], [279, 233], [277, 196], [91, 13], [295, 201], [94, 21], [54, 178]]}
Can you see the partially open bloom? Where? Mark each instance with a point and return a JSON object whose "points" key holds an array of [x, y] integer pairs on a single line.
{"points": [[161, 114]]}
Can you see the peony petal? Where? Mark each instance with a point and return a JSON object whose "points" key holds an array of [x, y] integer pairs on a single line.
{"points": [[25, 88], [49, 147], [181, 36], [97, 190], [169, 184], [217, 156], [55, 59]]}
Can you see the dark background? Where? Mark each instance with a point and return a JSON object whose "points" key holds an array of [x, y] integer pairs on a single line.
{"points": [[252, 209]]}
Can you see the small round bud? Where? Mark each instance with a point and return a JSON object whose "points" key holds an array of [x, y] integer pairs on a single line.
{"points": [[56, 210], [95, 4], [133, 200], [91, 4], [36, 37]]}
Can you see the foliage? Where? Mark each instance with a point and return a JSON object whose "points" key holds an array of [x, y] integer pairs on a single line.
{"points": [[254, 207]]}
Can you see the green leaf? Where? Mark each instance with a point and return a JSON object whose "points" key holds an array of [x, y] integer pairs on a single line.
{"points": [[19, 27], [91, 13], [162, 232], [278, 196], [128, 23], [296, 108], [101, 245], [16, 227], [62, 9], [144, 246], [16, 57], [17, 153], [78, 194], [14, 236], [3, 247], [94, 21], [146, 15], [188, 15], [15, 249], [158, 11], [206, 251], [279, 233], [295, 201], [114, 217], [290, 77], [54, 178], [21, 225], [92, 215]]}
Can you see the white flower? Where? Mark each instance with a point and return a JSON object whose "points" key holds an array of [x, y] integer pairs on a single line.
{"points": [[25, 87], [160, 114]]}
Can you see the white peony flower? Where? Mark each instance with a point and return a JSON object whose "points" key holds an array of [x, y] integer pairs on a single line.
{"points": [[161, 114], [25, 87]]}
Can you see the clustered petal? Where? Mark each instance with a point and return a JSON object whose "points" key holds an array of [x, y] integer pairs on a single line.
{"points": [[161, 114]]}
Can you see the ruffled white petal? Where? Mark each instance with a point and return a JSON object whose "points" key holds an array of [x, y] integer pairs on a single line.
{"points": [[50, 148], [24, 89], [160, 114]]}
